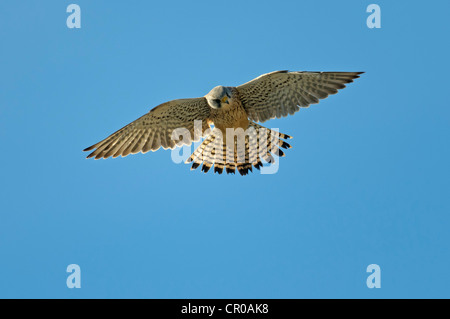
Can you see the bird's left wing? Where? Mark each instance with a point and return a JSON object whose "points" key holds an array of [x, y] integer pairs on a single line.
{"points": [[281, 93], [155, 129]]}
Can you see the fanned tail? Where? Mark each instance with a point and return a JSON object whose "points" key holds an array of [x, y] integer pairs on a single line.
{"points": [[243, 153]]}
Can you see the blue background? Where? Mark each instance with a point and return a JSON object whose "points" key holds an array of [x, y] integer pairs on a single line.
{"points": [[367, 179]]}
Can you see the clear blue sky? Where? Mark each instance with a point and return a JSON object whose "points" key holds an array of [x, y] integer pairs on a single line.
{"points": [[367, 179]]}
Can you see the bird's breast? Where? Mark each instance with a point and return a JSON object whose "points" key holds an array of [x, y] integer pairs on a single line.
{"points": [[233, 116]]}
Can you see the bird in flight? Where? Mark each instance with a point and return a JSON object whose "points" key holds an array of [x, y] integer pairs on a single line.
{"points": [[224, 109]]}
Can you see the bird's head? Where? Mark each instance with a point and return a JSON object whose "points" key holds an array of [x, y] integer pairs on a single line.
{"points": [[219, 97]]}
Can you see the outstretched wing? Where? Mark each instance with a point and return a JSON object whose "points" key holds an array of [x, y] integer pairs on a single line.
{"points": [[155, 128], [281, 93]]}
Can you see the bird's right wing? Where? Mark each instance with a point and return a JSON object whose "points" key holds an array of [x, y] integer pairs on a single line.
{"points": [[155, 129], [281, 93]]}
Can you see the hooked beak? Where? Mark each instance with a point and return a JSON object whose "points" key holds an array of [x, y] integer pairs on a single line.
{"points": [[225, 100]]}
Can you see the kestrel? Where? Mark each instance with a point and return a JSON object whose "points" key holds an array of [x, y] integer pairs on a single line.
{"points": [[224, 109]]}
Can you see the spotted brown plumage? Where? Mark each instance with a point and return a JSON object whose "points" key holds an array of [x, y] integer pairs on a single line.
{"points": [[268, 96]]}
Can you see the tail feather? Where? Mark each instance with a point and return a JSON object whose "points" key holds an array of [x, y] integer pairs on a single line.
{"points": [[259, 144]]}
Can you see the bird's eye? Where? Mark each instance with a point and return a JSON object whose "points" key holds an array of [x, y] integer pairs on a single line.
{"points": [[224, 99]]}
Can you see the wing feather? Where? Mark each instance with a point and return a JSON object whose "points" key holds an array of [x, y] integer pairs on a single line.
{"points": [[280, 93], [154, 129]]}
